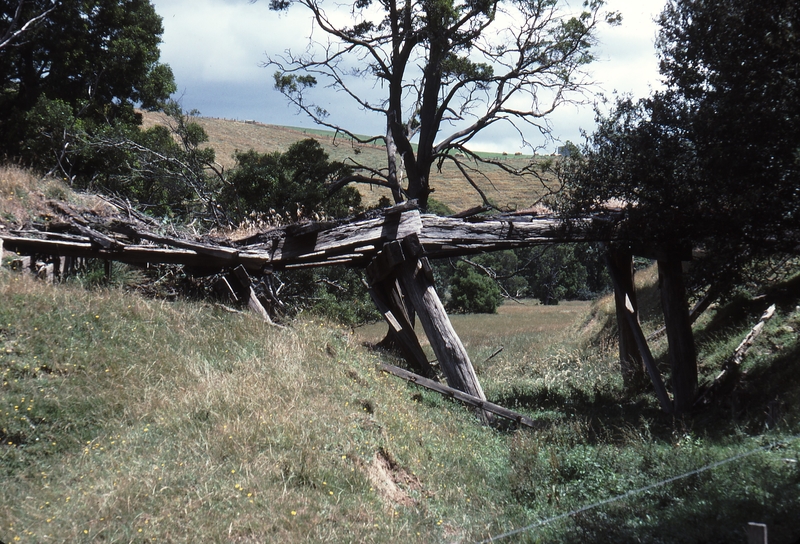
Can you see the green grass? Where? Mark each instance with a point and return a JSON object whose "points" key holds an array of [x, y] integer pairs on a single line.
{"points": [[126, 419]]}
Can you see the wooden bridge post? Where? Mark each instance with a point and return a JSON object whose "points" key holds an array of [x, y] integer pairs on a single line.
{"points": [[630, 358], [638, 336], [682, 354], [415, 280], [385, 294]]}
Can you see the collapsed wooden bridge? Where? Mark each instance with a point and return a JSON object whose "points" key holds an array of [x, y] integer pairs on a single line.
{"points": [[393, 246]]}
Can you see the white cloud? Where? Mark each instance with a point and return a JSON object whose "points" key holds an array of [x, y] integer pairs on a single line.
{"points": [[216, 48]]}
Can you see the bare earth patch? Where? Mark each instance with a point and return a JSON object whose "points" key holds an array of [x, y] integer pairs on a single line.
{"points": [[391, 480]]}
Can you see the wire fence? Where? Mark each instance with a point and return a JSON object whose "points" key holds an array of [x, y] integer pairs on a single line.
{"points": [[631, 493]]}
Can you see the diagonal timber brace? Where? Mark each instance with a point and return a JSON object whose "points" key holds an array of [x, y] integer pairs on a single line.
{"points": [[401, 265]]}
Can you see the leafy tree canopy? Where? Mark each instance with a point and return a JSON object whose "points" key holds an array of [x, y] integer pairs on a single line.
{"points": [[292, 184], [98, 57], [472, 291], [714, 160], [449, 69]]}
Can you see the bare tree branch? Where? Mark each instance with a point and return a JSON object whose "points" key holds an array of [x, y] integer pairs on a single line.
{"points": [[16, 26], [455, 63]]}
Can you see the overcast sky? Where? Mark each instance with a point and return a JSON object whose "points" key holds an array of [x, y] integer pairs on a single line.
{"points": [[216, 48]]}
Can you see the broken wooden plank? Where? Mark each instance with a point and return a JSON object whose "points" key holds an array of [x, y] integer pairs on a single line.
{"points": [[96, 237], [471, 400]]}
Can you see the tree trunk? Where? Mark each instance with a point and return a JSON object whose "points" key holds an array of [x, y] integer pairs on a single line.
{"points": [[682, 355]]}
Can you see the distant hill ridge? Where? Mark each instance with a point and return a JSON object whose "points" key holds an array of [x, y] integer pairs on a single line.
{"points": [[506, 191]]}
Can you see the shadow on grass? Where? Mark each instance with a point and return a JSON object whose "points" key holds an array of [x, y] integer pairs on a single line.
{"points": [[716, 512]]}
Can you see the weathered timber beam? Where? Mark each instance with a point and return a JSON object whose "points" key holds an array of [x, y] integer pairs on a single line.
{"points": [[471, 400], [318, 244], [448, 237], [638, 335], [344, 239], [254, 262]]}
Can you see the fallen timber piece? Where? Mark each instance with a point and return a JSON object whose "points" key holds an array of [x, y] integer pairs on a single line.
{"points": [[747, 343], [733, 363], [477, 402]]}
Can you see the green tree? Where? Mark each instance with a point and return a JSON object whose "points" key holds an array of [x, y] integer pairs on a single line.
{"points": [[472, 291], [712, 161], [450, 69], [99, 58], [293, 184], [557, 274], [165, 169], [17, 21]]}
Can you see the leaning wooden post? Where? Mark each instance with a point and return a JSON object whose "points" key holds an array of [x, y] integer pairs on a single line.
{"points": [[682, 354], [638, 335], [400, 327], [630, 358], [416, 279]]}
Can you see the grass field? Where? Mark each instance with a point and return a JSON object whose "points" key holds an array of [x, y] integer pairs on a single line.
{"points": [[133, 420], [227, 136], [129, 419]]}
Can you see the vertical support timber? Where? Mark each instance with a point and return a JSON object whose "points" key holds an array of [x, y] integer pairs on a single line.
{"points": [[387, 300], [638, 335], [682, 354], [630, 358], [416, 280]]}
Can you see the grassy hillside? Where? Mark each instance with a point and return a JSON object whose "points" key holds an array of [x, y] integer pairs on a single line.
{"points": [[227, 136], [129, 419], [126, 419]]}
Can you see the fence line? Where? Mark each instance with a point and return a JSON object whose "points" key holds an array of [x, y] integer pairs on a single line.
{"points": [[627, 494]]}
